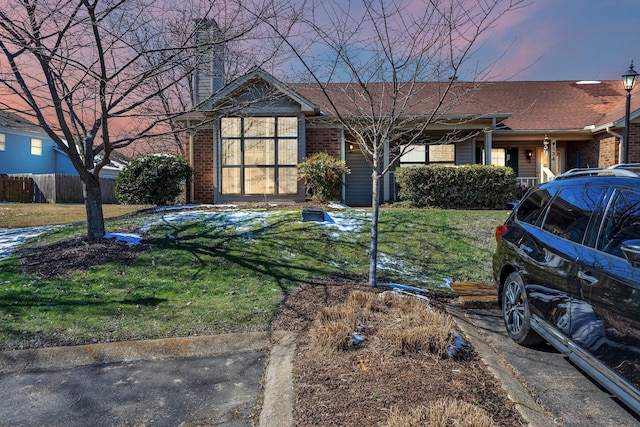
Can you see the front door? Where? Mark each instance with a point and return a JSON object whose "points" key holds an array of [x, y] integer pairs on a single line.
{"points": [[512, 160]]}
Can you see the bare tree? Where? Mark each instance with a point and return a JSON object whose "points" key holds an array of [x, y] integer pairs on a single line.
{"points": [[101, 75], [398, 62]]}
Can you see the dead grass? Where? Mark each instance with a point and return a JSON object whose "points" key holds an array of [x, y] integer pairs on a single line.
{"points": [[442, 413], [401, 325], [18, 215]]}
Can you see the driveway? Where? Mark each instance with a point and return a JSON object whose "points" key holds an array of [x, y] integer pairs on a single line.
{"points": [[567, 397], [185, 381]]}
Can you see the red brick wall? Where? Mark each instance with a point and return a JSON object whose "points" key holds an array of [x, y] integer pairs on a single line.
{"points": [[203, 166], [608, 155], [583, 154], [634, 143], [326, 140]]}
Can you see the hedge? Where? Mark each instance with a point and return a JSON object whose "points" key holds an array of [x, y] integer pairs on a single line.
{"points": [[462, 187]]}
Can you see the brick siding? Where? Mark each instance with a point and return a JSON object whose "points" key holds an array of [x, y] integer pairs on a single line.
{"points": [[608, 151], [323, 139], [203, 167]]}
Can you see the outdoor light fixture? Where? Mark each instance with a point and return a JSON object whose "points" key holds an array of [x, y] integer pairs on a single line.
{"points": [[529, 155], [350, 147], [629, 81]]}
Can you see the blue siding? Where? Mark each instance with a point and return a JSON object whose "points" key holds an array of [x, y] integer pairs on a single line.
{"points": [[17, 158], [63, 164]]}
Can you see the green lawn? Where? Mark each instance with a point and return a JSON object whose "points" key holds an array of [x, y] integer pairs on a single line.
{"points": [[228, 271]]}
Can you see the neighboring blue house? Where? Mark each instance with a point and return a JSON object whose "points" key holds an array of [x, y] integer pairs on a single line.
{"points": [[25, 148]]}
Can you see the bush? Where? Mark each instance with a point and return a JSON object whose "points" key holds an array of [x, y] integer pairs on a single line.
{"points": [[322, 175], [465, 187], [154, 180]]}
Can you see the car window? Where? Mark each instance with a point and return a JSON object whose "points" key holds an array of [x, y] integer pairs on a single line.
{"points": [[621, 222], [570, 211], [529, 209]]}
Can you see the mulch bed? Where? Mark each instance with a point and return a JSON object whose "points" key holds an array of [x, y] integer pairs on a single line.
{"points": [[360, 387]]}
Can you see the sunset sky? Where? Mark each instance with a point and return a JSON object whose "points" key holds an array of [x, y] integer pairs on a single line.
{"points": [[565, 40]]}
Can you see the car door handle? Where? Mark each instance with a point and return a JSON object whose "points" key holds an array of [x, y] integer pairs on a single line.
{"points": [[587, 278]]}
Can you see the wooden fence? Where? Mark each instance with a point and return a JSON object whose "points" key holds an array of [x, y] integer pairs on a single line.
{"points": [[56, 188], [16, 189]]}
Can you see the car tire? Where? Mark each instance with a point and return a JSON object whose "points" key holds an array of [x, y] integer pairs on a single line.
{"points": [[516, 313]]}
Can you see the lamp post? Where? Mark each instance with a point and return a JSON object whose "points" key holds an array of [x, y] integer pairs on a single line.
{"points": [[629, 81]]}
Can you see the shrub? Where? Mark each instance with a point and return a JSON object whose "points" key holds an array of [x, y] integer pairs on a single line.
{"points": [[154, 179], [465, 187], [322, 175]]}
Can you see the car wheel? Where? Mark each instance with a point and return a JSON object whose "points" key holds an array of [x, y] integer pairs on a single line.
{"points": [[515, 311]]}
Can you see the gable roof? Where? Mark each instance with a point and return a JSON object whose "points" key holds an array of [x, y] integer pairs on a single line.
{"points": [[258, 74]]}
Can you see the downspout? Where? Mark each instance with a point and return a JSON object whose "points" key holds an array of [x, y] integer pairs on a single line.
{"points": [[620, 144], [191, 181]]}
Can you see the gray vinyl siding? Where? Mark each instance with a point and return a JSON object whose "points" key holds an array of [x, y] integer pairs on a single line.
{"points": [[358, 182], [465, 153]]}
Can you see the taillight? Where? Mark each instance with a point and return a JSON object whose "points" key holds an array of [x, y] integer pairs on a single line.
{"points": [[500, 230]]}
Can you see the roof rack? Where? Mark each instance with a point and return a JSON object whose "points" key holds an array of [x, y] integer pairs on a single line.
{"points": [[625, 170]]}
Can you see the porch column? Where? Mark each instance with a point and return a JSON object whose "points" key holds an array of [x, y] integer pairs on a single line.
{"points": [[488, 145]]}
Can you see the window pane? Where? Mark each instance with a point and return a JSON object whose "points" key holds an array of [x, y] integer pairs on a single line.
{"points": [[259, 180], [570, 211], [230, 152], [415, 154], [287, 151], [442, 153], [230, 127], [288, 126], [259, 126], [259, 152], [287, 180], [36, 147], [530, 209], [230, 180], [2, 142], [622, 223], [498, 157]]}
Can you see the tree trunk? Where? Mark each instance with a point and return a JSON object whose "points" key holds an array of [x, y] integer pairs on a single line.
{"points": [[93, 207], [375, 207]]}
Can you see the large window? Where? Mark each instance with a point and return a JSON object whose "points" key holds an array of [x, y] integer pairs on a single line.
{"points": [[259, 155], [442, 154], [36, 147]]}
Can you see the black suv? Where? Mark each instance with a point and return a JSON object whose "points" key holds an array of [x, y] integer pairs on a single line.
{"points": [[567, 268]]}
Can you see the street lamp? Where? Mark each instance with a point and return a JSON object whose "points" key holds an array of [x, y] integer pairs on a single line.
{"points": [[628, 80]]}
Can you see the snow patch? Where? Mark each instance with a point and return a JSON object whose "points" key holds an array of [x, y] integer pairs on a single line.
{"points": [[10, 238]]}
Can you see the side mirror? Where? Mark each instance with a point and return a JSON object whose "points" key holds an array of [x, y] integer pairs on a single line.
{"points": [[631, 251]]}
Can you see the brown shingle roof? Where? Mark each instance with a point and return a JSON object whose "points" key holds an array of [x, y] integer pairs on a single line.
{"points": [[534, 105]]}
